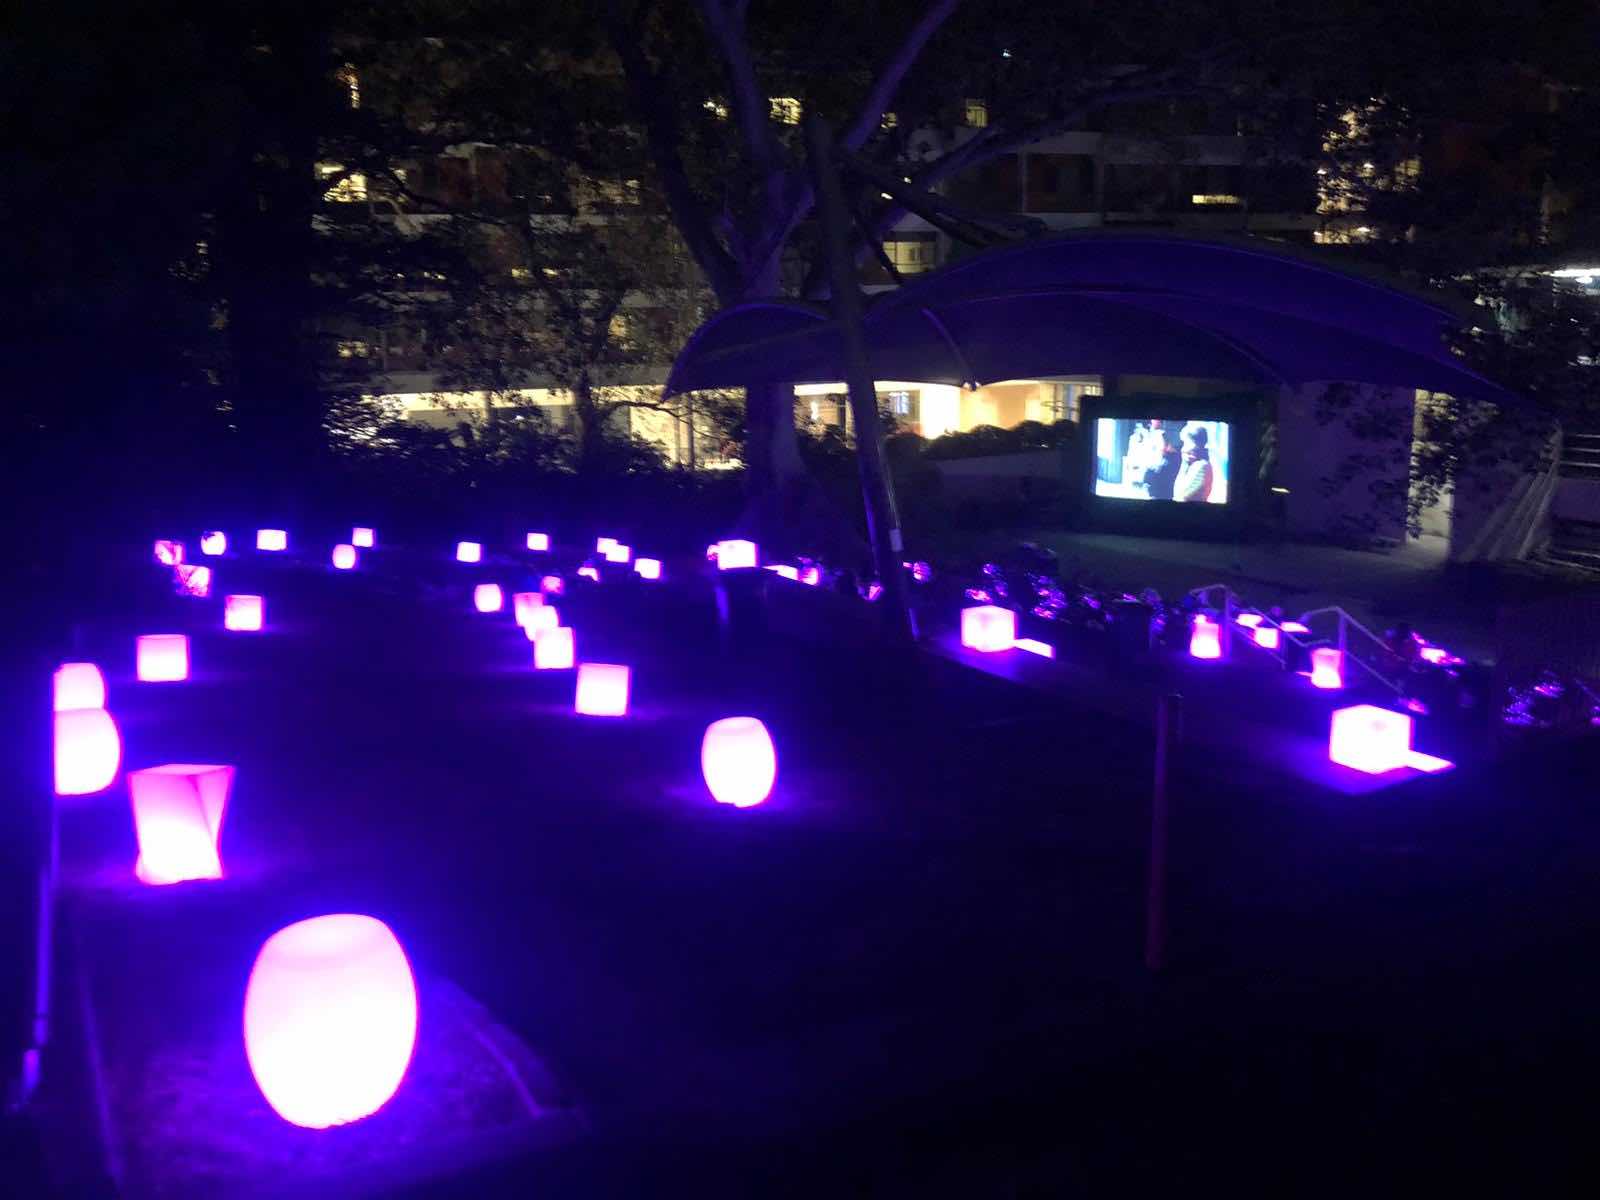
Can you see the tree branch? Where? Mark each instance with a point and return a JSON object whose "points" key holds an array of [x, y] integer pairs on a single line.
{"points": [[881, 95], [725, 21]]}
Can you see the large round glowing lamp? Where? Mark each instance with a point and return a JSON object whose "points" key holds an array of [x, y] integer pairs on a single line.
{"points": [[161, 657], [88, 751], [738, 760], [79, 685], [330, 1019], [486, 598], [344, 556]]}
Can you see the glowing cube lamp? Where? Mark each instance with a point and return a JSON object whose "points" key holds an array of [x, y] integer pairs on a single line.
{"points": [[1205, 639], [602, 689], [540, 619], [538, 541], [1327, 667], [168, 553], [88, 751], [330, 1019], [738, 761], [272, 539], [1248, 619], [523, 604], [736, 554], [78, 685], [590, 573], [1375, 740], [988, 628], [214, 543], [243, 614], [177, 817], [554, 649], [469, 552], [811, 576], [552, 585], [486, 598], [363, 538], [161, 657], [785, 571], [605, 545], [192, 579], [1298, 628], [344, 557], [647, 568], [618, 553], [1267, 637]]}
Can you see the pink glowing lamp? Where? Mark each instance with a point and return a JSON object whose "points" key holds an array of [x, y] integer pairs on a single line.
{"points": [[272, 539], [738, 761], [736, 554], [177, 816], [243, 614], [1205, 639], [1298, 628], [523, 603], [1034, 646], [554, 649], [363, 537], [88, 751], [168, 553], [78, 685], [647, 568], [1268, 637], [1249, 619], [161, 657], [988, 628], [602, 689], [590, 573], [618, 553], [1327, 668], [811, 576], [214, 543], [192, 579], [330, 1019], [552, 585], [544, 617], [538, 541], [344, 557], [487, 598], [469, 552], [1375, 740], [604, 545], [785, 571]]}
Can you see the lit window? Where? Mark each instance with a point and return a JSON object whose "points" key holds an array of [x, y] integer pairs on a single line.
{"points": [[1204, 198], [620, 327], [717, 109], [912, 255], [349, 188], [354, 348], [785, 110], [977, 114], [900, 403]]}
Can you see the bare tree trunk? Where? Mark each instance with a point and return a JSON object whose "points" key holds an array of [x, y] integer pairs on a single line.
{"points": [[588, 417]]}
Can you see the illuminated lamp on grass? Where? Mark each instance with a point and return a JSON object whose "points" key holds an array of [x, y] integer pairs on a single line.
{"points": [[78, 685], [344, 557], [192, 579], [1437, 655], [811, 576], [538, 541], [1298, 628], [604, 545], [330, 1019], [552, 585], [736, 554], [1248, 619], [738, 761], [540, 619], [161, 657], [88, 751], [602, 689], [214, 543], [618, 553], [590, 573], [1034, 646], [1268, 637], [272, 539], [1375, 740], [554, 649], [785, 571], [469, 552], [523, 604], [177, 817], [168, 553], [1327, 668], [647, 568], [487, 598], [1205, 638], [243, 614], [988, 628], [363, 538]]}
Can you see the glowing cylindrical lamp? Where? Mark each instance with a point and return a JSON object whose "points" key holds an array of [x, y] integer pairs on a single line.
{"points": [[78, 685], [214, 543], [1327, 667], [177, 817], [988, 627], [88, 751], [344, 557], [363, 537], [243, 614], [647, 568], [554, 649], [736, 554], [469, 552], [738, 761], [161, 657], [602, 689], [330, 1019], [538, 541], [168, 553], [1205, 639], [523, 604], [486, 598], [1267, 637], [272, 539]]}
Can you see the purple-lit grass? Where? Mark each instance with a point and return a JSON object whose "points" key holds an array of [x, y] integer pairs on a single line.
{"points": [[78, 685], [602, 689], [988, 628], [243, 614], [161, 657], [330, 1019], [177, 819], [487, 598], [738, 761], [88, 751]]}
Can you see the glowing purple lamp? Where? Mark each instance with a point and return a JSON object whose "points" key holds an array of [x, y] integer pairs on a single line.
{"points": [[546, 616], [330, 1019], [214, 543], [590, 573], [363, 537], [552, 585], [161, 657], [736, 554], [554, 649], [469, 552], [523, 604], [1267, 637], [738, 761], [168, 553], [647, 568], [1298, 628], [538, 541], [618, 553], [486, 598], [177, 817], [1327, 668], [78, 685], [1205, 638], [1034, 646], [602, 689], [988, 628], [344, 556], [785, 571], [193, 579], [88, 751], [272, 539], [1248, 619], [1375, 740], [243, 614]]}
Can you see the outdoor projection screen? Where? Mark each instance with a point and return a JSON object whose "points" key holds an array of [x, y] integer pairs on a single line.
{"points": [[1182, 461]]}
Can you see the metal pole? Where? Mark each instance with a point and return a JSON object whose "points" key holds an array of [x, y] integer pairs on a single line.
{"points": [[1169, 712]]}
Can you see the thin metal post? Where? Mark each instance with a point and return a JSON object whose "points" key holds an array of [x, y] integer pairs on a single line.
{"points": [[1169, 713]]}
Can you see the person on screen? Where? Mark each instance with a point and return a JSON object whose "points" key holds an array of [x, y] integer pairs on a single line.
{"points": [[1162, 467], [1195, 477]]}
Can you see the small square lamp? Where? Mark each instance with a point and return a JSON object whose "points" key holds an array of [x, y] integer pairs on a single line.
{"points": [[554, 649], [363, 537], [538, 541], [602, 689], [214, 543], [469, 552], [344, 556], [988, 628], [243, 614], [647, 568], [161, 657], [1327, 668], [486, 598], [736, 554], [272, 539]]}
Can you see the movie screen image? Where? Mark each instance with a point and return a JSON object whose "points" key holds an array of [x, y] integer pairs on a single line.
{"points": [[1156, 459]]}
